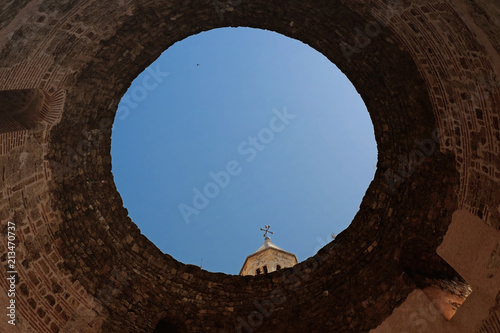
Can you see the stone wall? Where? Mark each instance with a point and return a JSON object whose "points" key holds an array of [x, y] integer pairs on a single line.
{"points": [[428, 72]]}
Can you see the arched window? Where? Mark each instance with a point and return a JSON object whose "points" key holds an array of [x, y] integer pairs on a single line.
{"points": [[265, 269], [257, 271], [278, 267]]}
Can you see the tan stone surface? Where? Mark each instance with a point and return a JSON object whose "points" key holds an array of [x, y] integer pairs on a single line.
{"points": [[270, 258]]}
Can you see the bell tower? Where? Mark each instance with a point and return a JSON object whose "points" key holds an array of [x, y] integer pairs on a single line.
{"points": [[268, 258]]}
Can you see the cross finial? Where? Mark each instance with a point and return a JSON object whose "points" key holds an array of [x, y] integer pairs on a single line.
{"points": [[266, 230]]}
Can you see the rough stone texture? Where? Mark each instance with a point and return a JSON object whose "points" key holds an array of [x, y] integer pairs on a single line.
{"points": [[428, 72]]}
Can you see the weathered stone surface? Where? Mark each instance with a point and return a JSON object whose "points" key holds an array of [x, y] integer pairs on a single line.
{"points": [[428, 72]]}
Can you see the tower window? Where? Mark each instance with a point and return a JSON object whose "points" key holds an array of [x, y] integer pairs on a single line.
{"points": [[265, 269], [257, 271], [278, 267]]}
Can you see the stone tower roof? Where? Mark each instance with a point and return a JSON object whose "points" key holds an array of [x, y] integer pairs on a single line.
{"points": [[269, 246]]}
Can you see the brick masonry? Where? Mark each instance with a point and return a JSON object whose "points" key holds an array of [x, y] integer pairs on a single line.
{"points": [[428, 72]]}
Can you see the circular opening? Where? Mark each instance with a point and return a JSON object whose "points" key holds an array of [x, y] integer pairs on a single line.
{"points": [[236, 128]]}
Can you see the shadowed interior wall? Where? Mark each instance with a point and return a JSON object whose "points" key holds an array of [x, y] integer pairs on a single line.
{"points": [[430, 220]]}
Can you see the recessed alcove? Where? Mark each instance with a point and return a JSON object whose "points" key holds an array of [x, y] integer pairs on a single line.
{"points": [[20, 109]]}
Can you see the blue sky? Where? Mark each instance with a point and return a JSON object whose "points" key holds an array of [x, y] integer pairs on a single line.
{"points": [[283, 132]]}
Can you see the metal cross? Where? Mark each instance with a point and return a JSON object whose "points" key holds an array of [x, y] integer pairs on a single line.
{"points": [[266, 230]]}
